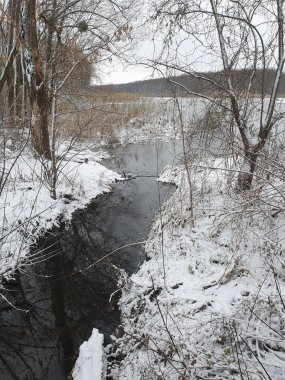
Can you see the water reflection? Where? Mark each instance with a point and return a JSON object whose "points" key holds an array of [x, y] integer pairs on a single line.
{"points": [[62, 307], [70, 293]]}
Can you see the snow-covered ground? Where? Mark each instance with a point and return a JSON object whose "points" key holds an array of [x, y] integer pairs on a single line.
{"points": [[158, 118], [149, 129], [209, 301], [90, 362], [27, 209]]}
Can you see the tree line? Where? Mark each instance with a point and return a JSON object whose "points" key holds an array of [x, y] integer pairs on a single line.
{"points": [[164, 86]]}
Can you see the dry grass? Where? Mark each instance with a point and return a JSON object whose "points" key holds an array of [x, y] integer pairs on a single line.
{"points": [[93, 116]]}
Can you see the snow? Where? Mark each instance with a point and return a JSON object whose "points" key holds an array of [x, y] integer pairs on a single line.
{"points": [[202, 290], [156, 118], [27, 209], [89, 365], [138, 130], [205, 304], [209, 301]]}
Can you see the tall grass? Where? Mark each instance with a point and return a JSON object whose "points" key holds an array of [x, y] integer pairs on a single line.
{"points": [[92, 116]]}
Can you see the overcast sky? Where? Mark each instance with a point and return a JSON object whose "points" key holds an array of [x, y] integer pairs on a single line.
{"points": [[199, 58], [119, 73]]}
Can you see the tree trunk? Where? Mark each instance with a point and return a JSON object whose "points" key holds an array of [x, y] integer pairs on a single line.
{"points": [[14, 72], [38, 90], [40, 108], [246, 173], [10, 71]]}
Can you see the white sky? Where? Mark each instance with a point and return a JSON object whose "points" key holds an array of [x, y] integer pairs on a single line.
{"points": [[119, 73], [201, 60]]}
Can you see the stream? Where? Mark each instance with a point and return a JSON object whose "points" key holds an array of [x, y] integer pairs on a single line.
{"points": [[58, 299]]}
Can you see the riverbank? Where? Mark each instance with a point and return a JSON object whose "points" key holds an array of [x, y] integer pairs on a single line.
{"points": [[27, 207], [68, 285], [209, 300]]}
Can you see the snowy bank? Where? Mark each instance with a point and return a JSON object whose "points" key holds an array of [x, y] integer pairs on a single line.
{"points": [[209, 301], [27, 209]]}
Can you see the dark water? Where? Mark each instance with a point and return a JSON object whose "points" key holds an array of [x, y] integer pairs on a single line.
{"points": [[66, 287]]}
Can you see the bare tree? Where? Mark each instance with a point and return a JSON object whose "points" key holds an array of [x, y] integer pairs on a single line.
{"points": [[56, 37], [10, 46], [34, 72], [240, 39], [48, 52]]}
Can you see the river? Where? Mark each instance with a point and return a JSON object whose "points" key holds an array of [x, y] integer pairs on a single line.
{"points": [[57, 302]]}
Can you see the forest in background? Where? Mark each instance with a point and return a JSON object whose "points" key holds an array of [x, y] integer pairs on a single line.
{"points": [[262, 81]]}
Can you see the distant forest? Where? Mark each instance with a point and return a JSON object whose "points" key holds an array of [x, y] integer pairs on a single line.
{"points": [[262, 82]]}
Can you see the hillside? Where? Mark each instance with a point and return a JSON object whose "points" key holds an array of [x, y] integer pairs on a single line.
{"points": [[212, 85]]}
